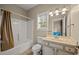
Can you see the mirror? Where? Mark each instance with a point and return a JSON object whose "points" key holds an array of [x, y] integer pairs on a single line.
{"points": [[59, 24]]}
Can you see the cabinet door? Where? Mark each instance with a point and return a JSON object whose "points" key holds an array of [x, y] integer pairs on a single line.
{"points": [[47, 50], [60, 52]]}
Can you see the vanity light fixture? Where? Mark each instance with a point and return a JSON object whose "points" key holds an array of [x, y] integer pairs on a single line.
{"points": [[58, 12]]}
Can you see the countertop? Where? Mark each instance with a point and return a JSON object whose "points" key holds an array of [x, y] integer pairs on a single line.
{"points": [[61, 40]]}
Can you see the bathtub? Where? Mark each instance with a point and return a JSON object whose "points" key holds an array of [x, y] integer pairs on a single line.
{"points": [[19, 49]]}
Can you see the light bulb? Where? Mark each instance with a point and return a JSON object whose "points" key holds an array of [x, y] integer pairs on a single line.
{"points": [[57, 14], [64, 9], [50, 13], [63, 12], [57, 11]]}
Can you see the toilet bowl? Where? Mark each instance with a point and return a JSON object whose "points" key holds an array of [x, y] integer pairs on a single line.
{"points": [[36, 49]]}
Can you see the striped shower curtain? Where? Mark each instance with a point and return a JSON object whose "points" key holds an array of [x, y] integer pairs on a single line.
{"points": [[6, 32]]}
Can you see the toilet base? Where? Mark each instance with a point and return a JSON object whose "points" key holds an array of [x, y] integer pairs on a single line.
{"points": [[36, 53]]}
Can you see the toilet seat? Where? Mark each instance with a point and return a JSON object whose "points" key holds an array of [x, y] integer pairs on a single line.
{"points": [[36, 47]]}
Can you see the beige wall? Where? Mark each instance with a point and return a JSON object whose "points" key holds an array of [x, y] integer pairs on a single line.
{"points": [[14, 8], [75, 21], [33, 12]]}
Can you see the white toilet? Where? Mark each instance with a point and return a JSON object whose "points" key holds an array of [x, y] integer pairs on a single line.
{"points": [[36, 49]]}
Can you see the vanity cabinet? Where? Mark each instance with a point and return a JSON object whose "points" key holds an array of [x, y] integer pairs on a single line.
{"points": [[39, 41], [55, 45], [47, 50], [50, 48]]}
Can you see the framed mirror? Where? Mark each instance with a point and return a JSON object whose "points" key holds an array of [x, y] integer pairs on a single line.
{"points": [[59, 24]]}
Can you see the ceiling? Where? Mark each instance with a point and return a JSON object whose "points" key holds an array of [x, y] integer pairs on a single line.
{"points": [[27, 6]]}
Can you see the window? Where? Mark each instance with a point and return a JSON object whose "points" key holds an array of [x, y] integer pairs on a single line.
{"points": [[42, 21]]}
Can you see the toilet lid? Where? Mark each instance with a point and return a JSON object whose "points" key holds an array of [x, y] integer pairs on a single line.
{"points": [[37, 46]]}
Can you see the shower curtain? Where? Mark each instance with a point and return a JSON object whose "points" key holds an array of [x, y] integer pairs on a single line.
{"points": [[6, 32]]}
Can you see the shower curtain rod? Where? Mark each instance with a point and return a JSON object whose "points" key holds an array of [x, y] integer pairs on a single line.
{"points": [[16, 13]]}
